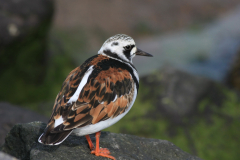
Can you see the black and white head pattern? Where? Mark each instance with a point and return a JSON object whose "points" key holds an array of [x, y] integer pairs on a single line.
{"points": [[120, 47]]}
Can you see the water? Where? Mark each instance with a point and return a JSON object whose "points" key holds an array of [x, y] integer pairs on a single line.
{"points": [[209, 52]]}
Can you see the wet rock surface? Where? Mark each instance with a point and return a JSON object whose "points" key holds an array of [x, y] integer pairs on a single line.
{"points": [[22, 143]]}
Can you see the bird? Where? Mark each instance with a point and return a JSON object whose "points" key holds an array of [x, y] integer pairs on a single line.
{"points": [[96, 95]]}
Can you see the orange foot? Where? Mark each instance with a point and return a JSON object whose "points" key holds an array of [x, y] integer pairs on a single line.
{"points": [[104, 152]]}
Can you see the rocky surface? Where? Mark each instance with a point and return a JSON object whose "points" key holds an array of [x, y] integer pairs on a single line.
{"points": [[4, 156], [22, 143], [12, 114], [177, 93]]}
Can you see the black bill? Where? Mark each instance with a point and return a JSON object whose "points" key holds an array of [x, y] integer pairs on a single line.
{"points": [[142, 53]]}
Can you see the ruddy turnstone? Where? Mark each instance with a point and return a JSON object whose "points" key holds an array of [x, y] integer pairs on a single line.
{"points": [[96, 94]]}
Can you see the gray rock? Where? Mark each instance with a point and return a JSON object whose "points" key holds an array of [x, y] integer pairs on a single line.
{"points": [[177, 93], [12, 114], [4, 156], [22, 143]]}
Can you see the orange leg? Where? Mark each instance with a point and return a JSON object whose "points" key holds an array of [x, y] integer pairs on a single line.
{"points": [[104, 152], [91, 146]]}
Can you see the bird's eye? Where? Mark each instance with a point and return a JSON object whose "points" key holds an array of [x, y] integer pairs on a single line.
{"points": [[127, 47]]}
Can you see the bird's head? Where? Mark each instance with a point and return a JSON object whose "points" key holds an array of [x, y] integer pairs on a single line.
{"points": [[121, 47]]}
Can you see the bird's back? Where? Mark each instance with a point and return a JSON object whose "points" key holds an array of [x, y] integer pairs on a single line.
{"points": [[101, 90]]}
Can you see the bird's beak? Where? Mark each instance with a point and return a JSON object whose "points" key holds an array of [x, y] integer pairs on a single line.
{"points": [[139, 52]]}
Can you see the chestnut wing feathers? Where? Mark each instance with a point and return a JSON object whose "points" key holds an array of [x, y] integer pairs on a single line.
{"points": [[103, 97], [70, 86], [107, 94]]}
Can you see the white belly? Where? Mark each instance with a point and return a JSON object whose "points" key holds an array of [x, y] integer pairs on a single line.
{"points": [[93, 128]]}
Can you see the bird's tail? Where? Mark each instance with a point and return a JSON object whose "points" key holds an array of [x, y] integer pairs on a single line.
{"points": [[53, 138]]}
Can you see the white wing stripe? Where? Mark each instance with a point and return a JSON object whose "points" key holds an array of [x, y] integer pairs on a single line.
{"points": [[58, 121], [81, 85]]}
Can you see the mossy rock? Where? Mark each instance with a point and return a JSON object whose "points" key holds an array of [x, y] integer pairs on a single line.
{"points": [[197, 114]]}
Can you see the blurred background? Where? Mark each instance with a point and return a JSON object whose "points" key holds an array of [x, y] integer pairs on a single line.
{"points": [[189, 90]]}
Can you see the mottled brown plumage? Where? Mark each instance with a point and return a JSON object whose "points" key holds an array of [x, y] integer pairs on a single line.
{"points": [[95, 102], [96, 94]]}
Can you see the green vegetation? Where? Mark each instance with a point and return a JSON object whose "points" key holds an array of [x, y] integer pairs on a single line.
{"points": [[213, 134]]}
